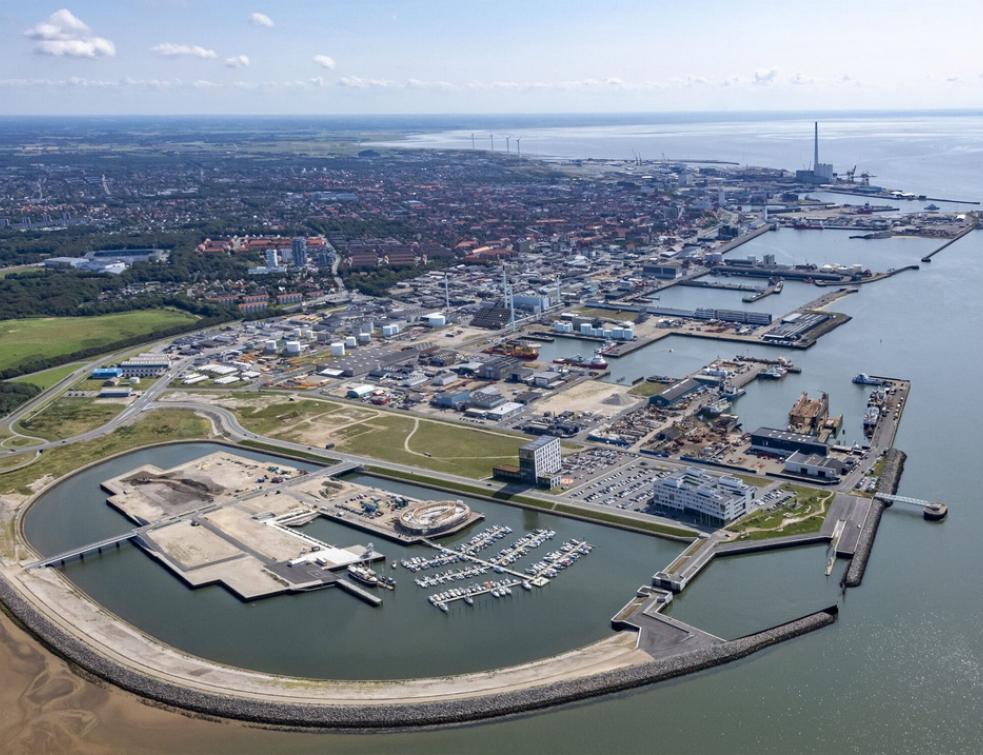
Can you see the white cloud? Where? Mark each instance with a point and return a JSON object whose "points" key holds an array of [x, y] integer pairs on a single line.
{"points": [[443, 86], [171, 50], [800, 79], [64, 34], [357, 82], [261, 19], [237, 61], [325, 61], [205, 84], [765, 76], [80, 82], [151, 83]]}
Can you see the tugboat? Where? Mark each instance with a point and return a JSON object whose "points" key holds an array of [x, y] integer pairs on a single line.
{"points": [[775, 372], [598, 362]]}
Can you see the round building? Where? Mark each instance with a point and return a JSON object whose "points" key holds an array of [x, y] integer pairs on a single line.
{"points": [[433, 517]]}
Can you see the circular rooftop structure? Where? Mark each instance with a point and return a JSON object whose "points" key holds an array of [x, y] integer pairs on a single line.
{"points": [[433, 517]]}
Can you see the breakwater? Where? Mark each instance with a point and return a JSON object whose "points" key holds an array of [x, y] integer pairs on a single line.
{"points": [[950, 242], [890, 478], [377, 715]]}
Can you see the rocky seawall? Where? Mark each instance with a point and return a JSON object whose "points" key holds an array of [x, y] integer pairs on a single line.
{"points": [[890, 479], [369, 715]]}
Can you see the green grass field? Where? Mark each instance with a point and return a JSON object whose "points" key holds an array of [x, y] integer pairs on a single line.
{"points": [[21, 340], [69, 416], [440, 446]]}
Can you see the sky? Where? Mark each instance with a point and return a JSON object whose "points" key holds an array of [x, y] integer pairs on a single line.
{"points": [[116, 57]]}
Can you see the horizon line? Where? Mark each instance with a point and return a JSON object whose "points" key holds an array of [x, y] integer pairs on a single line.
{"points": [[568, 113]]}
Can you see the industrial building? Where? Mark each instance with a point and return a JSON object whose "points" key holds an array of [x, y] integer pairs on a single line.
{"points": [[662, 269], [769, 440], [145, 365], [813, 465], [675, 392]]}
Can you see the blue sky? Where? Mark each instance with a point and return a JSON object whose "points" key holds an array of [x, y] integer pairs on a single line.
{"points": [[443, 56]]}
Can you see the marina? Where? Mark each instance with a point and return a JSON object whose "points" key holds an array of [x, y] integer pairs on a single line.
{"points": [[218, 625]]}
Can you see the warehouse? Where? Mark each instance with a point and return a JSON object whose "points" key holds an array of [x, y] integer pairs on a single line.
{"points": [[775, 442]]}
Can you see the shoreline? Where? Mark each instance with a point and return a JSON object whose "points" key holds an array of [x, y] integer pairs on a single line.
{"points": [[388, 716]]}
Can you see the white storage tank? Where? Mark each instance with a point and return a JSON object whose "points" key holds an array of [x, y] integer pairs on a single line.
{"points": [[338, 349], [292, 347], [364, 338], [269, 347], [390, 330], [350, 342]]}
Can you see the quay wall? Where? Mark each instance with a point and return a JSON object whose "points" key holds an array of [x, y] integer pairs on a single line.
{"points": [[890, 479], [382, 716]]}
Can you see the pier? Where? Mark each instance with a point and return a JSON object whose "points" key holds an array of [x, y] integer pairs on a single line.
{"points": [[697, 283], [775, 288], [934, 511]]}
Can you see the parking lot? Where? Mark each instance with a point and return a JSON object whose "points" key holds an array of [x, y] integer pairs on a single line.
{"points": [[628, 486], [587, 465]]}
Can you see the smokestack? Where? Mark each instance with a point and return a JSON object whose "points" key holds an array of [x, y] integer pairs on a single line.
{"points": [[815, 146]]}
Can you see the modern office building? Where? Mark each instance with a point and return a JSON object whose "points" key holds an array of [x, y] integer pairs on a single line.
{"points": [[711, 499], [540, 458]]}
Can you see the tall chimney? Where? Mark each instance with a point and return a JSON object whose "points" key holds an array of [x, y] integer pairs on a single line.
{"points": [[815, 147]]}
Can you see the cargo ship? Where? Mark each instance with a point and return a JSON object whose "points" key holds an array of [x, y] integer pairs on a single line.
{"points": [[516, 349]]}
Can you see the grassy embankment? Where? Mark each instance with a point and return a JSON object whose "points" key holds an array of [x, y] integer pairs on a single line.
{"points": [[52, 337], [607, 314], [648, 388], [155, 427], [518, 499], [47, 378], [803, 514], [67, 417]]}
